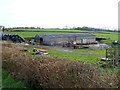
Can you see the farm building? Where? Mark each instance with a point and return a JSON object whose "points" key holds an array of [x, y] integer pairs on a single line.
{"points": [[1, 27], [58, 39]]}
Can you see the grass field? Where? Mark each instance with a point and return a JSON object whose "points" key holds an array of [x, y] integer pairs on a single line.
{"points": [[70, 56], [97, 51], [32, 34], [111, 36], [67, 30], [50, 30], [74, 57], [99, 34]]}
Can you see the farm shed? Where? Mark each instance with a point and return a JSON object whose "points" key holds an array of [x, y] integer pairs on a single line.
{"points": [[1, 27], [58, 39]]}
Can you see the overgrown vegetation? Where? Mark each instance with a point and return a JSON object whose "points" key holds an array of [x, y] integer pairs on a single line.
{"points": [[118, 76], [0, 78], [53, 72], [92, 60], [9, 82]]}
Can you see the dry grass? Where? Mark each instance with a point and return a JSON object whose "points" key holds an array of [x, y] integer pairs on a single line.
{"points": [[118, 76], [48, 72]]}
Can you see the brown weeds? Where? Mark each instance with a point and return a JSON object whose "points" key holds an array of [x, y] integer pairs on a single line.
{"points": [[51, 72]]}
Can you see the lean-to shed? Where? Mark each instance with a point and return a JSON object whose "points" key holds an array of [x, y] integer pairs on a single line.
{"points": [[57, 39]]}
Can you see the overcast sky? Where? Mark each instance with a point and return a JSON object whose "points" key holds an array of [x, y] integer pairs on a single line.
{"points": [[59, 13]]}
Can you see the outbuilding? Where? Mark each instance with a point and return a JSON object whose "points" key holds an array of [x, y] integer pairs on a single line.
{"points": [[58, 39], [2, 28]]}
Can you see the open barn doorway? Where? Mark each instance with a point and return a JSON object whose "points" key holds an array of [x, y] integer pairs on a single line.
{"points": [[41, 40]]}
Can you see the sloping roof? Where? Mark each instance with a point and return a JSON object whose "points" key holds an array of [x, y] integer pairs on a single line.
{"points": [[1, 27], [65, 35]]}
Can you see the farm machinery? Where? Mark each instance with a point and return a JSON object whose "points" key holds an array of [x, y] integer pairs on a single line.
{"points": [[75, 45], [40, 52], [112, 55]]}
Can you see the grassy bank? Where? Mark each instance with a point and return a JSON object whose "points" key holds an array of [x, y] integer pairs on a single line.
{"points": [[0, 78], [53, 72], [92, 60], [9, 82]]}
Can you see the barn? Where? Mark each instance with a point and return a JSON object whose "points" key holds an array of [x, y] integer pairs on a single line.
{"points": [[58, 39]]}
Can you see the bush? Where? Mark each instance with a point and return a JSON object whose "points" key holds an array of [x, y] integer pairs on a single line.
{"points": [[49, 72], [118, 76]]}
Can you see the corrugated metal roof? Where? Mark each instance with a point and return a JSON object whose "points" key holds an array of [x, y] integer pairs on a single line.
{"points": [[65, 35]]}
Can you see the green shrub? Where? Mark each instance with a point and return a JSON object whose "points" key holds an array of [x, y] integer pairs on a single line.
{"points": [[9, 82]]}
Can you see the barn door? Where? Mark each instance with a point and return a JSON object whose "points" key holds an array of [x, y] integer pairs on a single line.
{"points": [[41, 40]]}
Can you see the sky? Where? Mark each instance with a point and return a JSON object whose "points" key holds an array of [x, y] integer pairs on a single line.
{"points": [[59, 13]]}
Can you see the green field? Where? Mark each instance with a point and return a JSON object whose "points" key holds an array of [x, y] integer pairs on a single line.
{"points": [[70, 56], [74, 57], [32, 34], [99, 34], [50, 30], [96, 51], [111, 36], [67, 30]]}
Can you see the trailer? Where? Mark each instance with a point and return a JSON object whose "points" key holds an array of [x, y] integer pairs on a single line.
{"points": [[75, 44]]}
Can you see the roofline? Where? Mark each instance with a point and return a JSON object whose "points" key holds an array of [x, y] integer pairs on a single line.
{"points": [[64, 34]]}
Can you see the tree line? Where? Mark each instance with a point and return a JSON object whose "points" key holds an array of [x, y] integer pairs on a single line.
{"points": [[74, 28]]}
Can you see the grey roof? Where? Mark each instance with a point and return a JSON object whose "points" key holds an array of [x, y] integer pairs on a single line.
{"points": [[1, 26], [65, 35]]}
